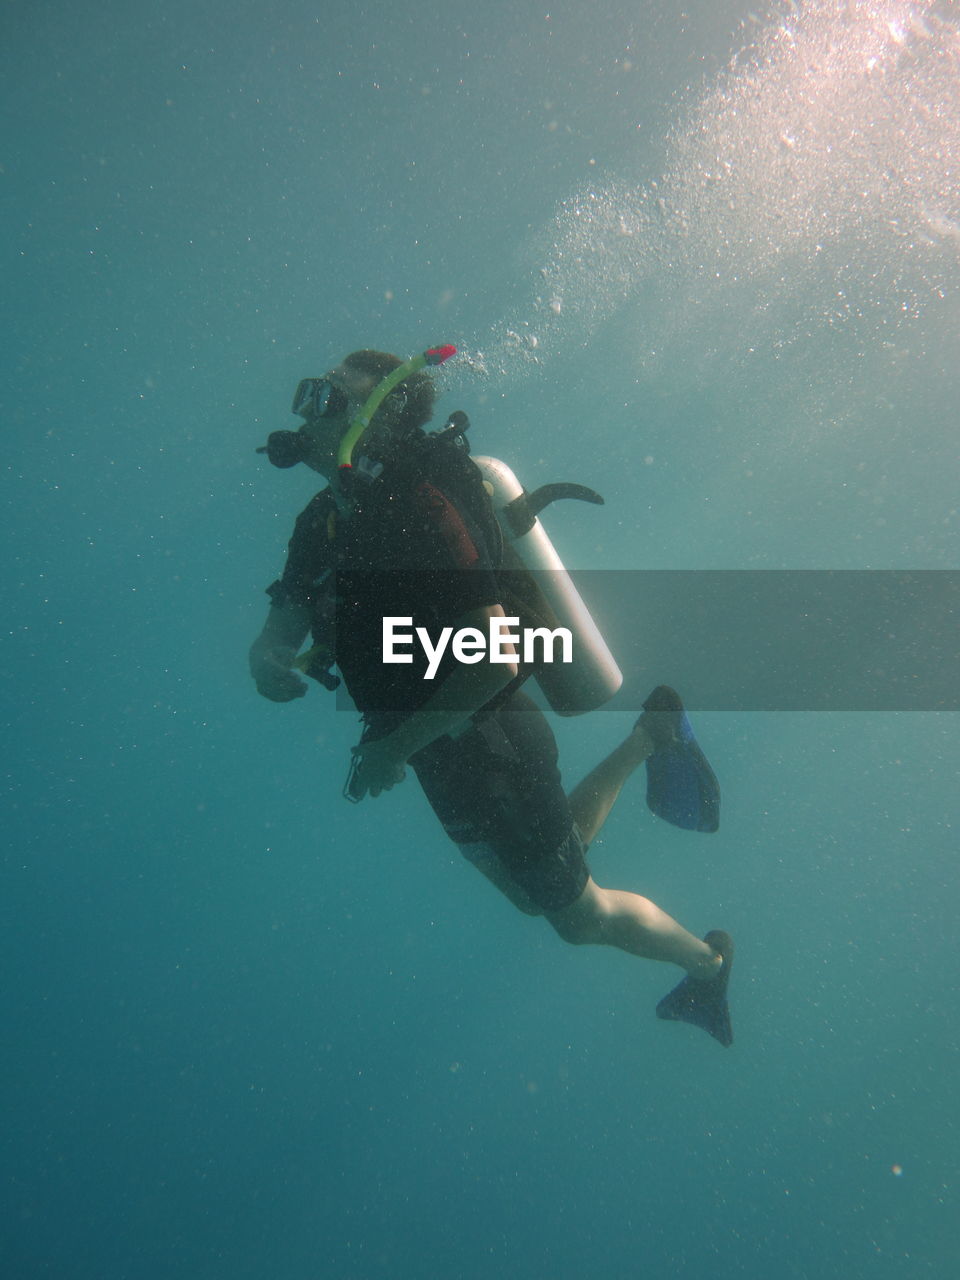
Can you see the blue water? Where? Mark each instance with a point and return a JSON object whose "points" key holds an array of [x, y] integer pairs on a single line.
{"points": [[707, 261]]}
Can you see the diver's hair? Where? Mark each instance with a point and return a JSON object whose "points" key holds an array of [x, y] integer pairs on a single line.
{"points": [[419, 389]]}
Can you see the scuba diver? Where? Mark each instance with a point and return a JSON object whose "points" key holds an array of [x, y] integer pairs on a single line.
{"points": [[408, 530]]}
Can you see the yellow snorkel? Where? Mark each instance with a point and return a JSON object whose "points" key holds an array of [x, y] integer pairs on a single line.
{"points": [[434, 356]]}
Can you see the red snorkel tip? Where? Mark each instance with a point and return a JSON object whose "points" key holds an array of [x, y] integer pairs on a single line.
{"points": [[437, 355]]}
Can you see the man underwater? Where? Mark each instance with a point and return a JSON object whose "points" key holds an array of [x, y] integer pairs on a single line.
{"points": [[405, 530]]}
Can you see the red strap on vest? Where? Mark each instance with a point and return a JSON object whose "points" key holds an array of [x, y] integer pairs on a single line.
{"points": [[449, 523]]}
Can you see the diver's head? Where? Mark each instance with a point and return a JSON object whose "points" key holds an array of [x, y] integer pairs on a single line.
{"points": [[408, 406], [329, 405]]}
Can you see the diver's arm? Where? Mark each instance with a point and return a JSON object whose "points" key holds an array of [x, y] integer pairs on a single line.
{"points": [[465, 691], [273, 652]]}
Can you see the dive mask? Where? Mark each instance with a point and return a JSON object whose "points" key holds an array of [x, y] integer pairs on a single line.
{"points": [[318, 398], [314, 398]]}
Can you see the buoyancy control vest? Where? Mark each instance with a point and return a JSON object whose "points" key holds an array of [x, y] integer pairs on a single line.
{"points": [[534, 584]]}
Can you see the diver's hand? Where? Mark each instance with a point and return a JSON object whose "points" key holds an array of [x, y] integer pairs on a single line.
{"points": [[379, 768], [270, 668]]}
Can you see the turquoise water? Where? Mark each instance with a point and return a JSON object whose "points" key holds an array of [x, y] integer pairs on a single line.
{"points": [[706, 261]]}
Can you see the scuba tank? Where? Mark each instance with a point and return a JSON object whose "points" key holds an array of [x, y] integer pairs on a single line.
{"points": [[593, 676]]}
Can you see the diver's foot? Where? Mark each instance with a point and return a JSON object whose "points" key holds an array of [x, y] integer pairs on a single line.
{"points": [[662, 718], [658, 727], [708, 968], [703, 1001], [639, 743]]}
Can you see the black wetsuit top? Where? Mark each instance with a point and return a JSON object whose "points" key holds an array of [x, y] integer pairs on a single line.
{"points": [[417, 545]]}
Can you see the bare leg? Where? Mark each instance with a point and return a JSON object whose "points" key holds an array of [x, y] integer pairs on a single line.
{"points": [[590, 803], [615, 918], [593, 798]]}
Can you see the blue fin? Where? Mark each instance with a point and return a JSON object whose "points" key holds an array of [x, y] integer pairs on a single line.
{"points": [[681, 786], [703, 1002]]}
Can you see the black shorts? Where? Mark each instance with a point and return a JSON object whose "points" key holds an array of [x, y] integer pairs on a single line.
{"points": [[497, 788]]}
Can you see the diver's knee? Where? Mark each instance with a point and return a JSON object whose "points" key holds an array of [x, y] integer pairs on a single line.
{"points": [[583, 922]]}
